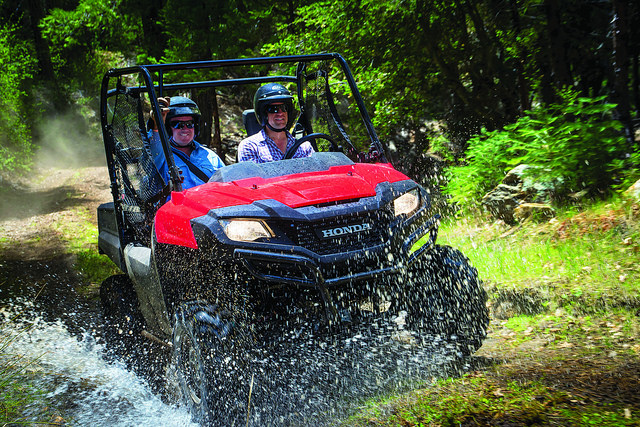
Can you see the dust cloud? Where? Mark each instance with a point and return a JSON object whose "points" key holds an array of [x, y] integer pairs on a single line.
{"points": [[71, 140]]}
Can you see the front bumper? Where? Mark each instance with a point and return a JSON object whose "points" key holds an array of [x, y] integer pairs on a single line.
{"points": [[301, 269]]}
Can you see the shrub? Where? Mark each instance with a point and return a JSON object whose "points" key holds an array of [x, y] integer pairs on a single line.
{"points": [[575, 144]]}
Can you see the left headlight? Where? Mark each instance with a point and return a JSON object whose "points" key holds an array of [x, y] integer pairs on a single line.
{"points": [[246, 230], [407, 203]]}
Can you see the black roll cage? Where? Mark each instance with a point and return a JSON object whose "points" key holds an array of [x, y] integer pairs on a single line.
{"points": [[155, 90]]}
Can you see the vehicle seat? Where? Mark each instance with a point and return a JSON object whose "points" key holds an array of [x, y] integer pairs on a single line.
{"points": [[250, 122]]}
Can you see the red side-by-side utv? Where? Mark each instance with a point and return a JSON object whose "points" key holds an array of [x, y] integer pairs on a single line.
{"points": [[324, 241]]}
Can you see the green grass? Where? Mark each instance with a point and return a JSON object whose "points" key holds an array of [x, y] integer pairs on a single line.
{"points": [[81, 238], [16, 390], [576, 258], [478, 400], [616, 329]]}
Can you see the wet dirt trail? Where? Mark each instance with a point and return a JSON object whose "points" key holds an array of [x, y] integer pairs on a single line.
{"points": [[50, 314]]}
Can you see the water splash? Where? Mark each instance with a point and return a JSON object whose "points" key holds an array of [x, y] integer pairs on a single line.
{"points": [[81, 384]]}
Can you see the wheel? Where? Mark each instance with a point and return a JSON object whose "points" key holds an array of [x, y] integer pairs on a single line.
{"points": [[443, 296], [292, 150], [209, 368], [123, 321]]}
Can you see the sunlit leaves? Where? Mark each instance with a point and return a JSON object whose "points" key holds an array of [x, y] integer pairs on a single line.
{"points": [[78, 40], [92, 24], [17, 66], [574, 145]]}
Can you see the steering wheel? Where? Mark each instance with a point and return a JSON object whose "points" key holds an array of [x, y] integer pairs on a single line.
{"points": [[291, 151]]}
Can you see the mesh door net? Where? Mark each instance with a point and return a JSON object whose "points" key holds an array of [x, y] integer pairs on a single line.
{"points": [[140, 187]]}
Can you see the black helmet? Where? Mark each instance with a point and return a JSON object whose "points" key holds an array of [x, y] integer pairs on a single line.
{"points": [[182, 106], [268, 94]]}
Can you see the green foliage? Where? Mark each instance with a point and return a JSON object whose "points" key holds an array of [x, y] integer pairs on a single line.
{"points": [[575, 142], [575, 145], [94, 267], [487, 163], [210, 30], [16, 70], [419, 61], [83, 41], [630, 170], [395, 82]]}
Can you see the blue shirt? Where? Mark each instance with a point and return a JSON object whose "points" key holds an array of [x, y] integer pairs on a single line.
{"points": [[205, 159], [260, 148]]}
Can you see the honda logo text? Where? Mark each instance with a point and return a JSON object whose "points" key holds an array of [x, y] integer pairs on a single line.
{"points": [[347, 229]]}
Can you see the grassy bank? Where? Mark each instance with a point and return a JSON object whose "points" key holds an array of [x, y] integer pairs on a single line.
{"points": [[81, 239], [563, 345], [587, 260], [17, 395]]}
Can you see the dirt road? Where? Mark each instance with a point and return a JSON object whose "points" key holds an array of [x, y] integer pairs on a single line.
{"points": [[33, 208]]}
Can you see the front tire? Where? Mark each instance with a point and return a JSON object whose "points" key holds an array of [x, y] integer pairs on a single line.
{"points": [[444, 297], [209, 365]]}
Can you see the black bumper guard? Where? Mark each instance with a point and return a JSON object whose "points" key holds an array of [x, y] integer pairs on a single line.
{"points": [[431, 227], [313, 277]]}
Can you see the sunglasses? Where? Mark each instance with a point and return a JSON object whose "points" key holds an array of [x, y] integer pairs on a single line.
{"points": [[189, 124], [272, 109]]}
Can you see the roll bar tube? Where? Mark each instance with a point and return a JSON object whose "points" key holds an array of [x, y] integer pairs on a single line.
{"points": [[174, 174]]}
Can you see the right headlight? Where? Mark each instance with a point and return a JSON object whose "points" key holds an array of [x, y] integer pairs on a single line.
{"points": [[407, 203], [246, 230]]}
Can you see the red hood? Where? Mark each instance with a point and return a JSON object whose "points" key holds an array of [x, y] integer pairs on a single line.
{"points": [[173, 225]]}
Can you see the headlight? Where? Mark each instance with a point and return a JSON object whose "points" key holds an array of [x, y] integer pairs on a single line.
{"points": [[407, 203], [245, 230]]}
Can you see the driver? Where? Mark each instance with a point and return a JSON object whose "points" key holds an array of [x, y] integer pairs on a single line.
{"points": [[273, 106]]}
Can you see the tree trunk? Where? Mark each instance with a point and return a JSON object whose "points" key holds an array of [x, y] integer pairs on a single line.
{"points": [[210, 121], [557, 45], [635, 75], [153, 32], [37, 12], [523, 85], [620, 93]]}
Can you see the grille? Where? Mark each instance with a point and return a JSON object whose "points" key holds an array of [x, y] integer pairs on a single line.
{"points": [[307, 233]]}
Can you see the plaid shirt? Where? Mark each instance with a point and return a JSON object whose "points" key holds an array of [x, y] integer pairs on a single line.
{"points": [[260, 148]]}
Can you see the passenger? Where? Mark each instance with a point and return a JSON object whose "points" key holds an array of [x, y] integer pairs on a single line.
{"points": [[273, 106], [197, 163]]}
